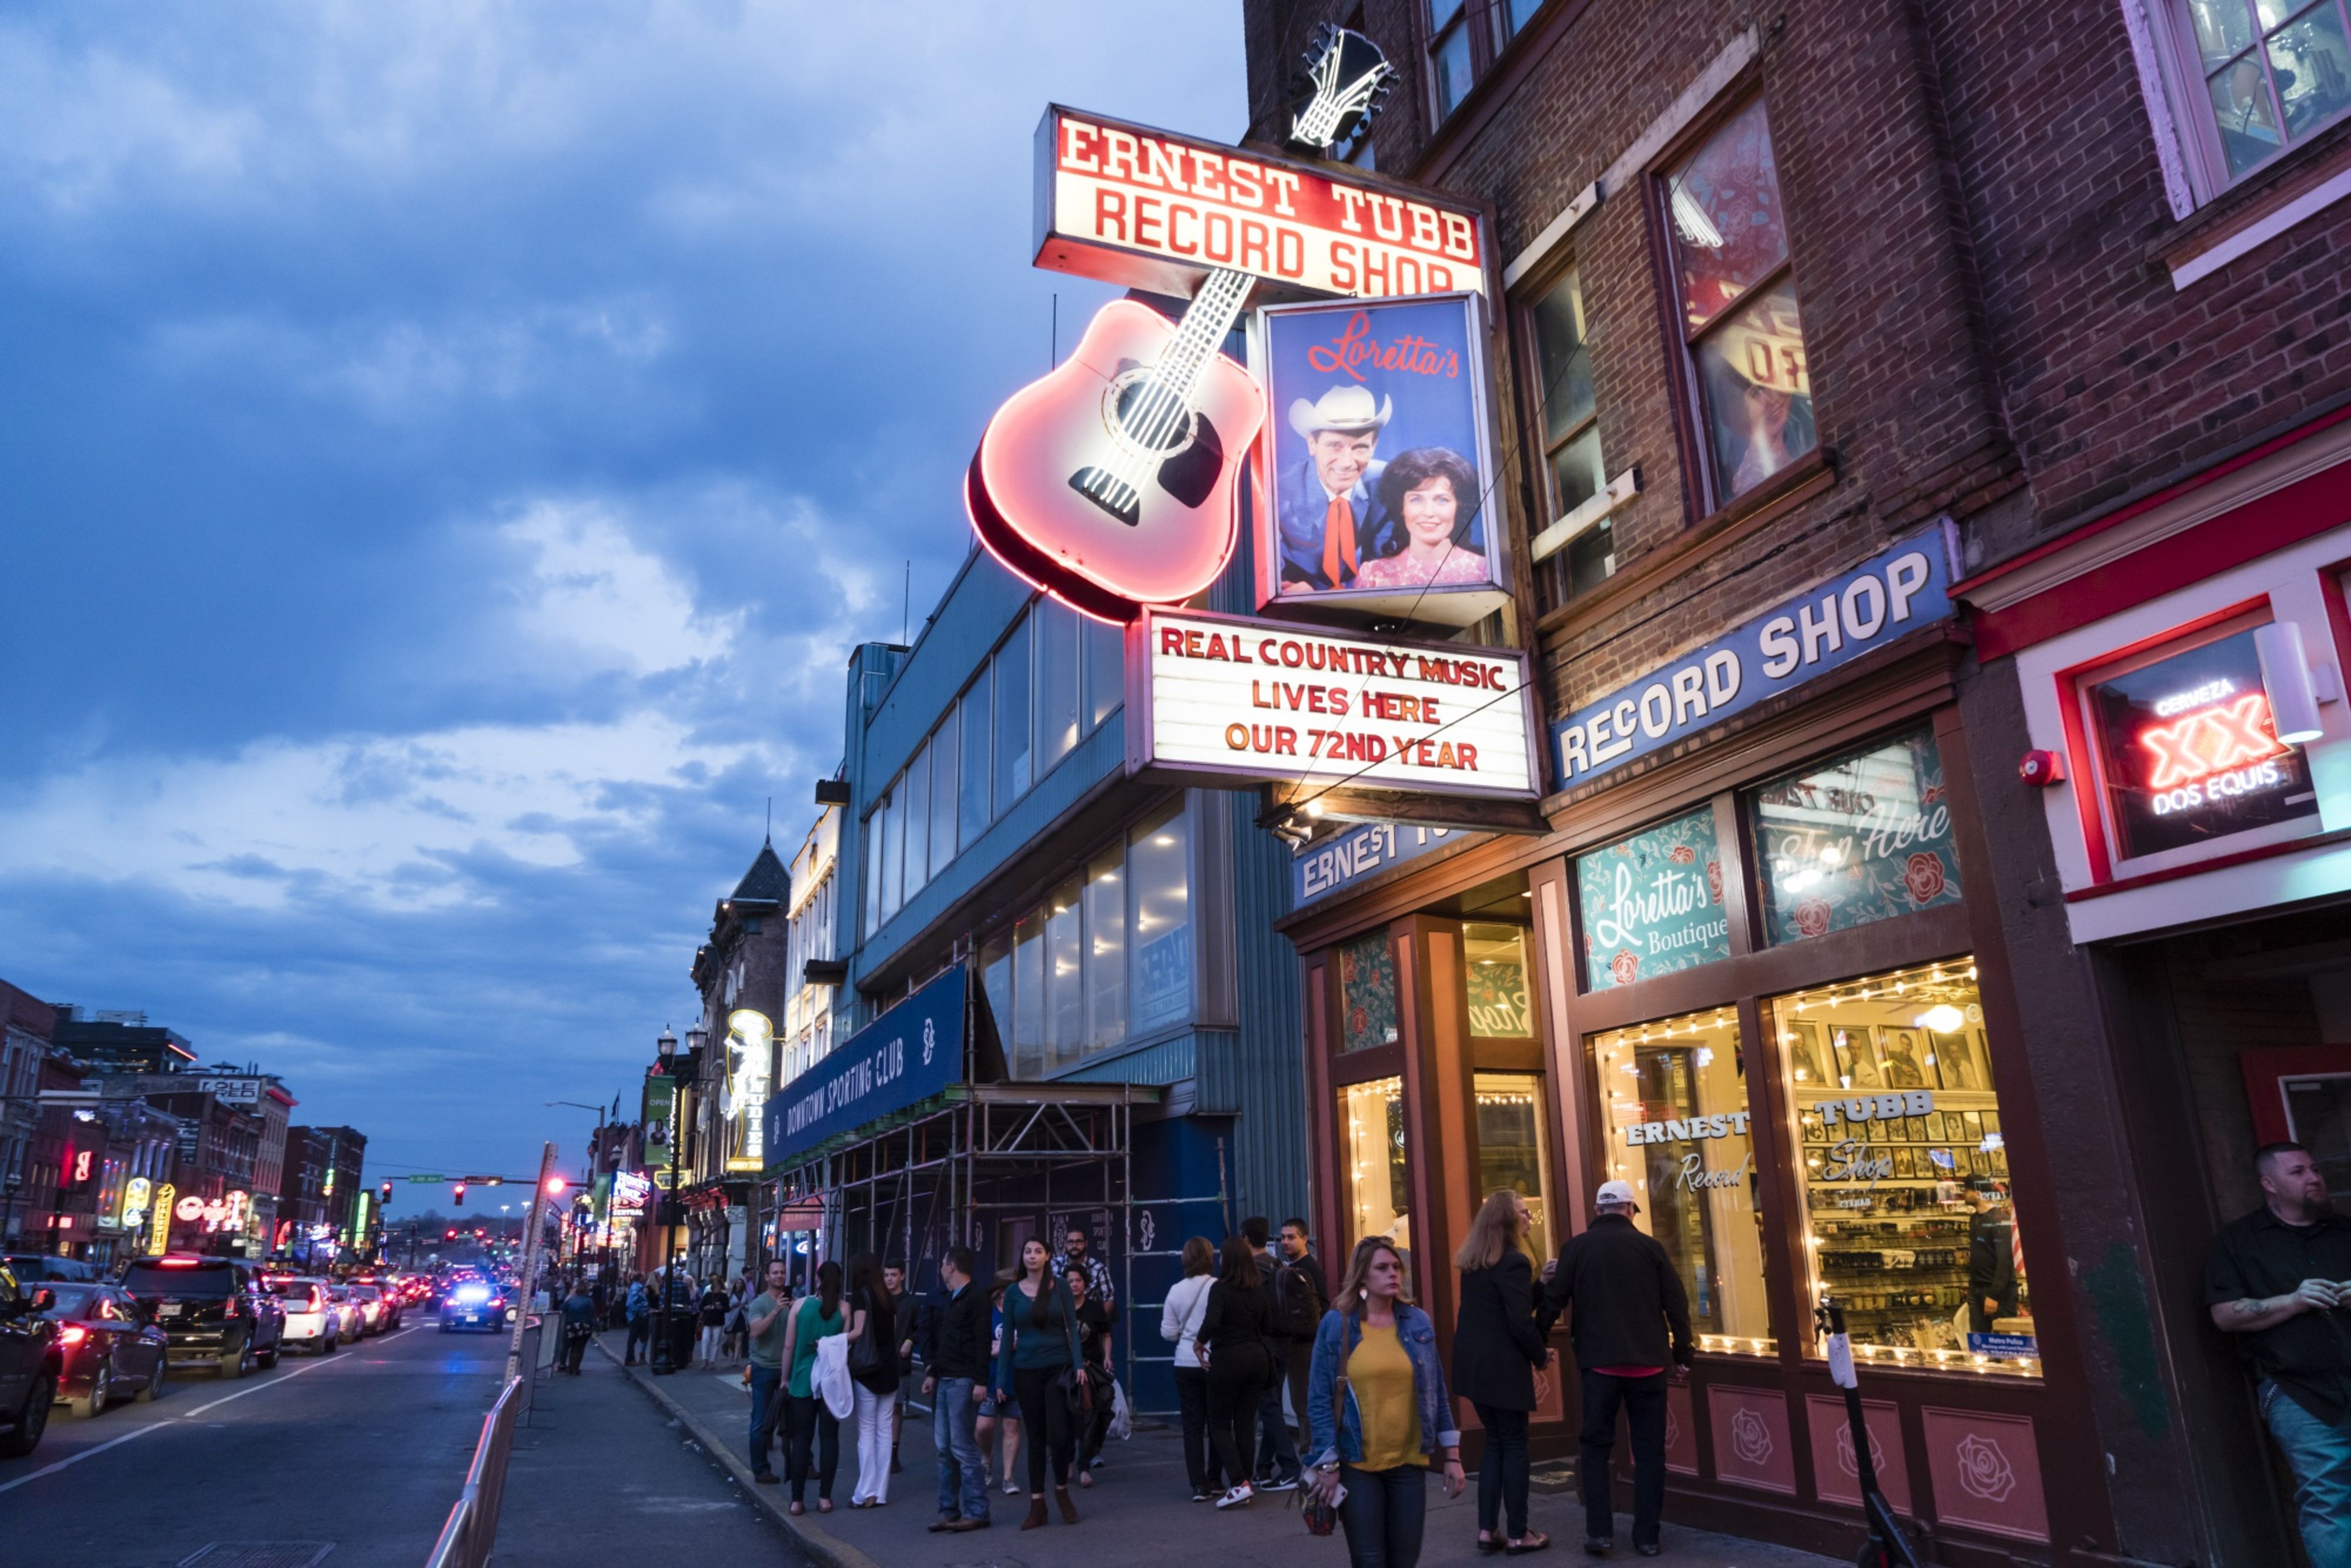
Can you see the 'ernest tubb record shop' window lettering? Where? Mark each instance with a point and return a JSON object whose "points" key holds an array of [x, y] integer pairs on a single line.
{"points": [[2188, 753]]}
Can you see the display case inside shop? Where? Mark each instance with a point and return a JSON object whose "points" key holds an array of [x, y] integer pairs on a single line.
{"points": [[1909, 1223]]}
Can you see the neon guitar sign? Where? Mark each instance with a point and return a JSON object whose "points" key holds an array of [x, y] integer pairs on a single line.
{"points": [[1109, 482]]}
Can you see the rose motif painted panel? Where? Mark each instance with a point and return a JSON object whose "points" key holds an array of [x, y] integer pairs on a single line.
{"points": [[1856, 838], [1835, 1474], [1987, 1472], [1751, 1443], [1681, 1436]]}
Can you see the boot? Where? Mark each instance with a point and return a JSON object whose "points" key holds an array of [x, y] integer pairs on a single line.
{"points": [[1061, 1495], [1036, 1510]]}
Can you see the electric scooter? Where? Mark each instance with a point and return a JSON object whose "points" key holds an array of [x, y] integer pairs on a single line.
{"points": [[1886, 1546]]}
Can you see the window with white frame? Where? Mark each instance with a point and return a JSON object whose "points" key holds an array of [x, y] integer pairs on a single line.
{"points": [[1573, 473], [2262, 77]]}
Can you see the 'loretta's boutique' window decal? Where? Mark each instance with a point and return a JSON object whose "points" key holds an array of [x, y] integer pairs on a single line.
{"points": [[1676, 1096], [2187, 752], [1652, 904], [1367, 992], [1907, 1214], [1858, 838]]}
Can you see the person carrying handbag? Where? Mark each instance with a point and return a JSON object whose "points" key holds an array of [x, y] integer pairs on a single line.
{"points": [[1038, 1366], [1179, 1323], [1497, 1356], [873, 1368], [1380, 1411], [1096, 1325], [1233, 1344]]}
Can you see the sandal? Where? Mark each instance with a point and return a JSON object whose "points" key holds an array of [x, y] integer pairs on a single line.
{"points": [[1532, 1541]]}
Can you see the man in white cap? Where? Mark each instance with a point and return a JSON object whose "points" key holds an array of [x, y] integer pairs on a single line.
{"points": [[1330, 516], [1627, 1298]]}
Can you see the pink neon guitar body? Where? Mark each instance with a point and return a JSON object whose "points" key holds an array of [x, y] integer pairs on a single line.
{"points": [[1110, 557]]}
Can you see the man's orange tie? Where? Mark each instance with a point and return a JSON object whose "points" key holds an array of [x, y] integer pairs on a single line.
{"points": [[1338, 540]]}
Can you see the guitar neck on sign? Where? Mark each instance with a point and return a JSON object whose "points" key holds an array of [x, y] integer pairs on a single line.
{"points": [[1109, 483]]}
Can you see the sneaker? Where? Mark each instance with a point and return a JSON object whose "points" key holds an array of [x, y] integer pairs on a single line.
{"points": [[1240, 1497], [1280, 1483], [1199, 1497], [1099, 1460]]}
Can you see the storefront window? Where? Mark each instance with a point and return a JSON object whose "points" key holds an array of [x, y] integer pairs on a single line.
{"points": [[2188, 751], [1652, 904], [1367, 990], [1106, 951], [1029, 997], [1511, 1149], [1861, 836], [1379, 1180], [1676, 1093], [1157, 862], [1065, 959], [1906, 1216], [1497, 957]]}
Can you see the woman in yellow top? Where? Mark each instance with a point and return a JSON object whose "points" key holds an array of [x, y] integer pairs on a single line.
{"points": [[1378, 1405]]}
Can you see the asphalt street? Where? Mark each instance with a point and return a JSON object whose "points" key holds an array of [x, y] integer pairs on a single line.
{"points": [[363, 1452]]}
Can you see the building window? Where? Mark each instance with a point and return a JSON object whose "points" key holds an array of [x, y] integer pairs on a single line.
{"points": [[1652, 904], [1106, 669], [1512, 1148], [1061, 673], [1377, 1163], [1106, 922], [1496, 956], [1367, 992], [1572, 460], [1158, 868], [1029, 994], [1012, 737], [1065, 966], [1737, 301], [972, 816], [943, 754], [1452, 69], [2273, 74], [914, 804], [876, 821], [1675, 1097], [1907, 1214], [1862, 837]]}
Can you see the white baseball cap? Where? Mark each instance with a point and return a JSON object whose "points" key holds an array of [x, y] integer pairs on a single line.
{"points": [[1615, 1192]]}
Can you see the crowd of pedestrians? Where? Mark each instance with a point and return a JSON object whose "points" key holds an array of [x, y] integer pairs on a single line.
{"points": [[1284, 1383]]}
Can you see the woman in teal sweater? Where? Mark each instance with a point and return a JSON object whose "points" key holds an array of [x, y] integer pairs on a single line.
{"points": [[807, 1418], [1040, 1336]]}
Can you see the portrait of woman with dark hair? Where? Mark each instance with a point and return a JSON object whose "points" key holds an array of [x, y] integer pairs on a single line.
{"points": [[1433, 493]]}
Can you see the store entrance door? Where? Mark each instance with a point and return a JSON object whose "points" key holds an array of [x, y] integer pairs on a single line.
{"points": [[2302, 1094]]}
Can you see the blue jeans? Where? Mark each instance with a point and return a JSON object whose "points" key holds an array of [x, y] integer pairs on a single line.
{"points": [[767, 1404], [963, 1475], [1276, 1452], [1383, 1514], [2321, 1457]]}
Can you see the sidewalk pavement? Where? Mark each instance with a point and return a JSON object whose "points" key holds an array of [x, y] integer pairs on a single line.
{"points": [[1140, 1501]]}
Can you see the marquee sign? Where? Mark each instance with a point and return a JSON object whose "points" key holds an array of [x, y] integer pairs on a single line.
{"points": [[1154, 209], [1236, 698]]}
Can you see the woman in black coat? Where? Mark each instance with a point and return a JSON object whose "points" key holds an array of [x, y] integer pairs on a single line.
{"points": [[1496, 1352]]}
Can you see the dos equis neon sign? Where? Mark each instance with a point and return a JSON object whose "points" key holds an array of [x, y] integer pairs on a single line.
{"points": [[2229, 747]]}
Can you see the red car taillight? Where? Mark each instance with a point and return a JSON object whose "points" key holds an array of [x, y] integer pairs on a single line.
{"points": [[228, 1309], [72, 1335]]}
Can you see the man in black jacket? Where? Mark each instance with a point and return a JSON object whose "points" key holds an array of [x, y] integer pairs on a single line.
{"points": [[958, 1360], [1626, 1298]]}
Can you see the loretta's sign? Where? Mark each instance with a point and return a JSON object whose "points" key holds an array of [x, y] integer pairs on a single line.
{"points": [[1896, 592], [1155, 210], [1236, 698], [900, 1059]]}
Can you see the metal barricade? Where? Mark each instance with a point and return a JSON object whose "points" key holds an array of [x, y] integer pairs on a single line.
{"points": [[473, 1526]]}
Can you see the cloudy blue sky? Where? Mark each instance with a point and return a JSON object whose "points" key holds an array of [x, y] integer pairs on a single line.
{"points": [[446, 454]]}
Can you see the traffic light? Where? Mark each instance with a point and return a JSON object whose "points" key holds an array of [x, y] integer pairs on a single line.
{"points": [[457, 1194], [555, 1186], [383, 1198], [450, 1234]]}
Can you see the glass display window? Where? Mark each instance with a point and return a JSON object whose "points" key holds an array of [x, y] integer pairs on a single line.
{"points": [[1513, 1147], [1907, 1223], [1367, 992], [1652, 904], [1674, 1095], [1499, 1005], [1856, 838], [2188, 753], [1377, 1157]]}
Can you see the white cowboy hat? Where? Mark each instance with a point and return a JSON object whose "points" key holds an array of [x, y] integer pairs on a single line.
{"points": [[1341, 408]]}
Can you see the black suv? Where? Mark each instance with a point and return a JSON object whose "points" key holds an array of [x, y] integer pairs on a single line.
{"points": [[210, 1308], [30, 1365]]}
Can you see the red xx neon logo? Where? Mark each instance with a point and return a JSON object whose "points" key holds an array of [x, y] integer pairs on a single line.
{"points": [[2209, 742]]}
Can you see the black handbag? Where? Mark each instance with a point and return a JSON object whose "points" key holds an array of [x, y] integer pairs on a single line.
{"points": [[1077, 1390], [866, 1351]]}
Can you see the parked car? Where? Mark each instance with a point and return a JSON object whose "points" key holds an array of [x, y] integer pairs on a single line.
{"points": [[109, 1346], [31, 1366], [313, 1321], [210, 1308], [351, 1323], [475, 1304], [32, 1268]]}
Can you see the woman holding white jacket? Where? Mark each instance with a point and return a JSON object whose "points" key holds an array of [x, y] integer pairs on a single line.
{"points": [[1180, 1320]]}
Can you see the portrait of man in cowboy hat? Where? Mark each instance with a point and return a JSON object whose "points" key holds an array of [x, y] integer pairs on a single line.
{"points": [[1330, 516]]}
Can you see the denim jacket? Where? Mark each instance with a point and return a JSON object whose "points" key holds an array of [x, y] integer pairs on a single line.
{"points": [[1342, 1437]]}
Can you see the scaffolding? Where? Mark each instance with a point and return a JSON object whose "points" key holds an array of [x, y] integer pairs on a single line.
{"points": [[947, 1172]]}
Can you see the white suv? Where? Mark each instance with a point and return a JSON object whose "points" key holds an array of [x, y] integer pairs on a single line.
{"points": [[312, 1321]]}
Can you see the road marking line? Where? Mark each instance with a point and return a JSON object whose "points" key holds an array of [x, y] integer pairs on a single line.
{"points": [[159, 1426]]}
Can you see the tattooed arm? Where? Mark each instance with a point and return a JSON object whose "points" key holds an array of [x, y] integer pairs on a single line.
{"points": [[2254, 1313]]}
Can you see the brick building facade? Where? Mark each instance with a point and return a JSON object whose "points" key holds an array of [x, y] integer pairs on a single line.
{"points": [[1778, 292]]}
